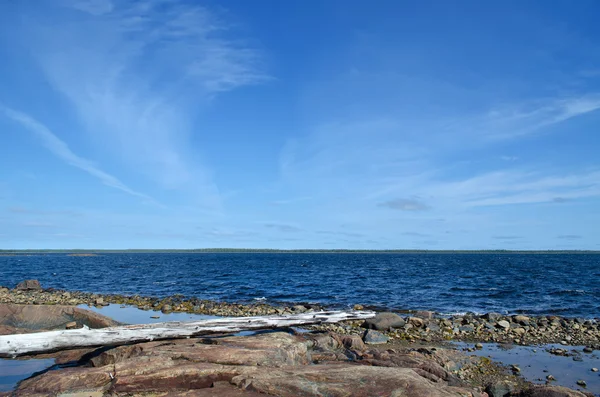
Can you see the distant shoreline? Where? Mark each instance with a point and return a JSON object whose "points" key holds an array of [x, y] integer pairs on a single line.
{"points": [[93, 252]]}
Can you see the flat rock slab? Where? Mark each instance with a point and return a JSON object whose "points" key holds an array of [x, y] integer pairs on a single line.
{"points": [[274, 363], [34, 318]]}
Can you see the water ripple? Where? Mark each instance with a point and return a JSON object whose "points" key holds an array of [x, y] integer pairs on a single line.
{"points": [[447, 283]]}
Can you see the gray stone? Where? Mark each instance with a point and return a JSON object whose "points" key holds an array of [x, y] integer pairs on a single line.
{"points": [[372, 337], [500, 389], [492, 316], [299, 309], [503, 324], [384, 321], [29, 285]]}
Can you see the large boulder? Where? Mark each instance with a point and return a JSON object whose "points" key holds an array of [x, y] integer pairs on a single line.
{"points": [[275, 363], [34, 318], [29, 285], [384, 321]]}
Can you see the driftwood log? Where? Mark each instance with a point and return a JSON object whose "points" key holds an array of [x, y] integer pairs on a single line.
{"points": [[51, 341]]}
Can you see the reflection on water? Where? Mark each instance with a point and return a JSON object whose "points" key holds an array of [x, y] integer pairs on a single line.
{"points": [[133, 315], [12, 371], [536, 363]]}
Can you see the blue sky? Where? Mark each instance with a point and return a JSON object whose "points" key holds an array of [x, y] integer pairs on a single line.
{"points": [[300, 124]]}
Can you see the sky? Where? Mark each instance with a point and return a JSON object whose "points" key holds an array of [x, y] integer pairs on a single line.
{"points": [[299, 124]]}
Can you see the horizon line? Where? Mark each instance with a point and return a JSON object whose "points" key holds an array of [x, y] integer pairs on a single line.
{"points": [[275, 250]]}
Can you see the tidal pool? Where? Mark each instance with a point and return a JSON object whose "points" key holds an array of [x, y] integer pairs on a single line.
{"points": [[536, 363]]}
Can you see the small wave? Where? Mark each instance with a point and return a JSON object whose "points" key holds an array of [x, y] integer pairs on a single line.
{"points": [[570, 292], [262, 298]]}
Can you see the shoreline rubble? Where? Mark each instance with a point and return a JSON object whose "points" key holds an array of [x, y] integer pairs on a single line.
{"points": [[409, 326]]}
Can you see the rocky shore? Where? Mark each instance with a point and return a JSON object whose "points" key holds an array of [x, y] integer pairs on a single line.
{"points": [[420, 326], [273, 363], [393, 354]]}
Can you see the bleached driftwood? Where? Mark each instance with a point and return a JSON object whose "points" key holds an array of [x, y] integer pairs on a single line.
{"points": [[44, 342]]}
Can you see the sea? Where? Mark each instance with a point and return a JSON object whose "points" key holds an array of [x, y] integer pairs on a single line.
{"points": [[447, 283]]}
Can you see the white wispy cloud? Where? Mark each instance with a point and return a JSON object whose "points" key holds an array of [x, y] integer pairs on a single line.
{"points": [[61, 150], [382, 165], [137, 72], [516, 120]]}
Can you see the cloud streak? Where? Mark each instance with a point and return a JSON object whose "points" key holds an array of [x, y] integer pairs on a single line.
{"points": [[136, 74], [61, 150]]}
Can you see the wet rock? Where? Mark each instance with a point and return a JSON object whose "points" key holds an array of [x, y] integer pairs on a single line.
{"points": [[594, 369], [582, 383], [28, 285], [550, 378], [478, 346], [384, 321], [166, 309], [373, 337], [588, 350], [515, 368]]}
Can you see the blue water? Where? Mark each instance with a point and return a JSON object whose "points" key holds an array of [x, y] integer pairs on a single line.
{"points": [[567, 284]]}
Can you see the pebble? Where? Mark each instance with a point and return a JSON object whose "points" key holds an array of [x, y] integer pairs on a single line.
{"points": [[594, 369], [71, 325], [550, 377], [588, 350], [581, 382]]}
